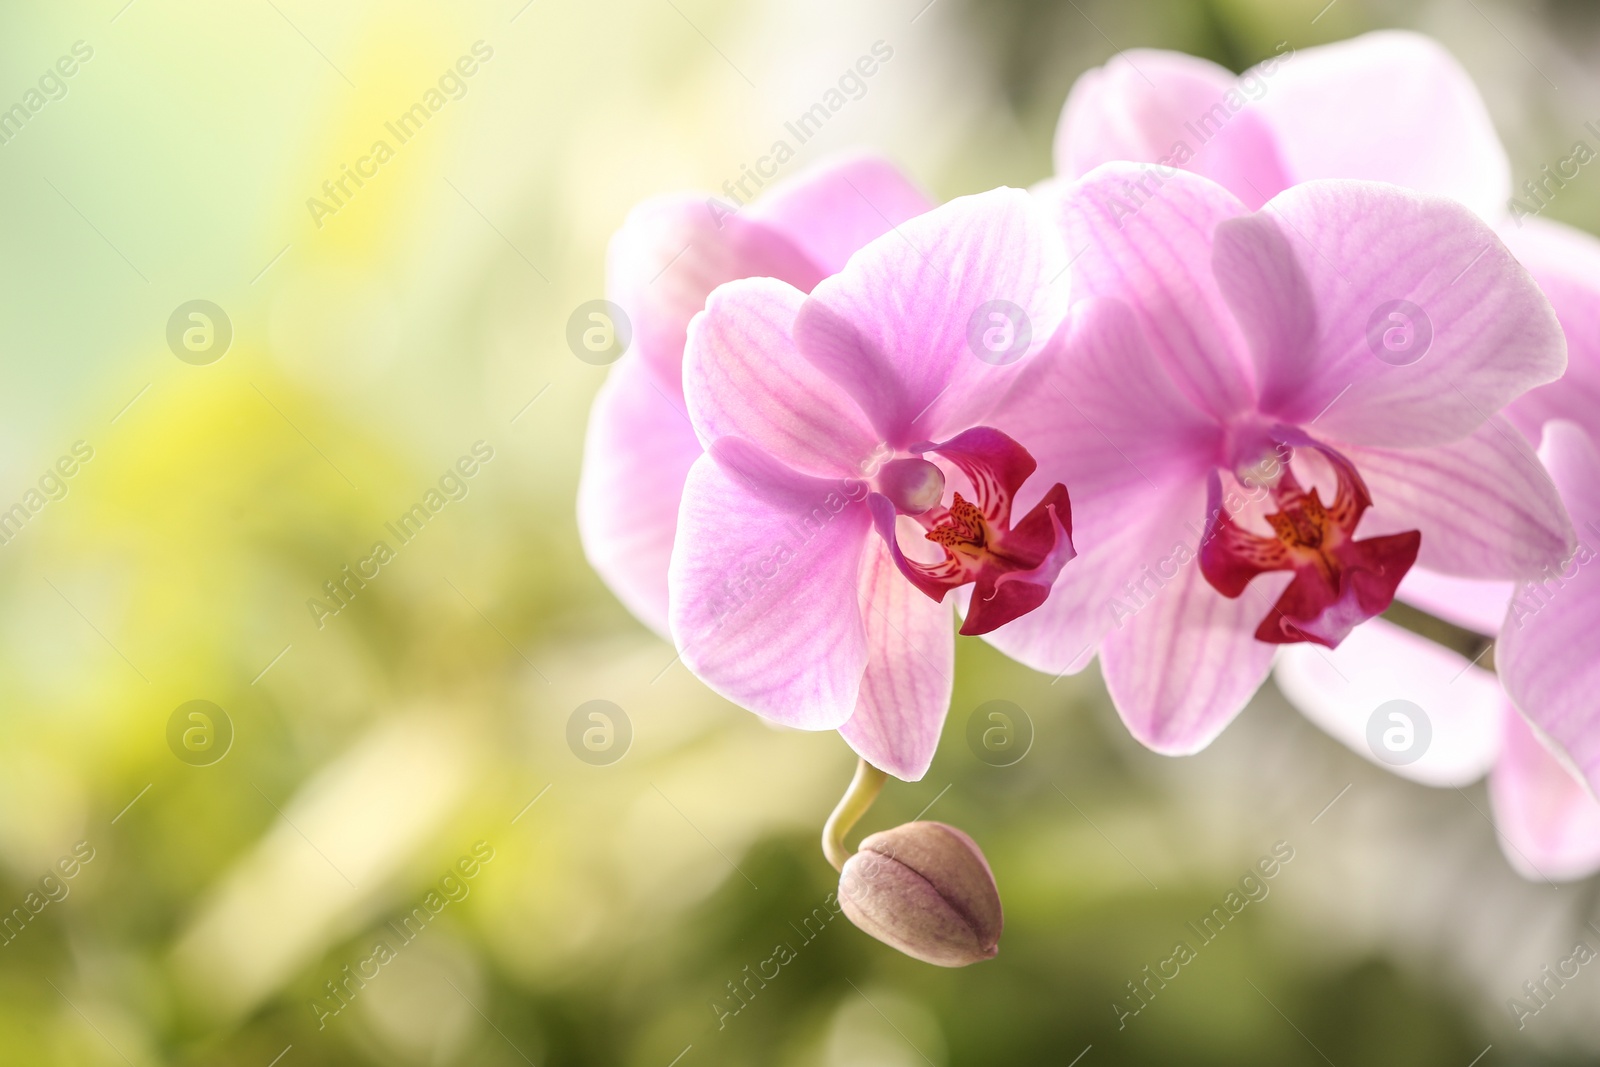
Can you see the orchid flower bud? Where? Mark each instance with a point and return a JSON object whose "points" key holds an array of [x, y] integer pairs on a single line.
{"points": [[924, 888]]}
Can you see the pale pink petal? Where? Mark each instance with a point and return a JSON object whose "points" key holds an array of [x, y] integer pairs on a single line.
{"points": [[1549, 650], [1106, 586], [832, 209], [1484, 504], [1390, 106], [636, 454], [1132, 469], [1145, 238], [1099, 409], [1342, 689], [894, 326], [910, 669], [1476, 333], [743, 377], [1548, 820], [1150, 106], [1187, 662], [1566, 264], [763, 587], [671, 252], [1468, 602]]}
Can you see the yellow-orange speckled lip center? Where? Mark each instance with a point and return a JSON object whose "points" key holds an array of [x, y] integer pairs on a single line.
{"points": [[1306, 529], [965, 530]]}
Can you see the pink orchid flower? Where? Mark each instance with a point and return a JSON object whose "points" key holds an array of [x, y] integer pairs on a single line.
{"points": [[1248, 468], [667, 258], [1396, 107], [1545, 811], [1390, 106], [853, 477], [1541, 792]]}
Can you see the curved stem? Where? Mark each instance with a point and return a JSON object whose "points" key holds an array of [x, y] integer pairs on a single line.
{"points": [[864, 789]]}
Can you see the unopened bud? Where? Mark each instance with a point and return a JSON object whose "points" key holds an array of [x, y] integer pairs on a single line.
{"points": [[925, 889]]}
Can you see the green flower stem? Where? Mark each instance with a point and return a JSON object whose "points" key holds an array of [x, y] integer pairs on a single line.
{"points": [[864, 789], [1471, 645]]}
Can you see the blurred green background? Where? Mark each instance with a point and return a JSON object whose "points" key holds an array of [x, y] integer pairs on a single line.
{"points": [[421, 732]]}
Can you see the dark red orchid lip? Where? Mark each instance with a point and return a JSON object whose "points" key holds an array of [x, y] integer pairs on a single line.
{"points": [[1012, 568], [1339, 582]]}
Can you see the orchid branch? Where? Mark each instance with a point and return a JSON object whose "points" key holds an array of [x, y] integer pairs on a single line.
{"points": [[864, 789], [1474, 646]]}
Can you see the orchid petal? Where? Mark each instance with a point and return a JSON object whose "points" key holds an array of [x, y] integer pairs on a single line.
{"points": [[894, 327], [905, 691], [1100, 409], [763, 587], [1390, 106], [1471, 603], [1485, 506], [1182, 667], [1548, 820], [1151, 106], [671, 252], [744, 378], [832, 209], [1372, 260], [1125, 465], [1548, 656], [1342, 689], [1566, 264], [636, 455], [1144, 237]]}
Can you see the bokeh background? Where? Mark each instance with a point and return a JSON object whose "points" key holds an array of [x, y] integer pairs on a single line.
{"points": [[344, 770]]}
